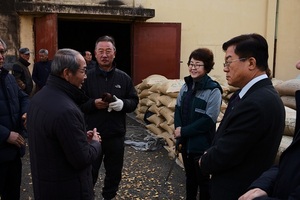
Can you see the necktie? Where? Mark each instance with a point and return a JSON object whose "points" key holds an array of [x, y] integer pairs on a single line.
{"points": [[232, 104]]}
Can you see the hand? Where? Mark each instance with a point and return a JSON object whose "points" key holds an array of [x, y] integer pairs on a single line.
{"points": [[252, 194], [93, 135], [116, 105], [23, 86], [24, 118], [201, 158], [101, 104], [177, 132], [16, 139]]}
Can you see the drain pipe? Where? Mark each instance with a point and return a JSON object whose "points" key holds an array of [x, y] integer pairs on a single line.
{"points": [[275, 38]]}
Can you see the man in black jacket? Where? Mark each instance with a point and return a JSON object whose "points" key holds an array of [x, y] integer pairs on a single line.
{"points": [[41, 70], [107, 112], [13, 107], [90, 63], [21, 72]]}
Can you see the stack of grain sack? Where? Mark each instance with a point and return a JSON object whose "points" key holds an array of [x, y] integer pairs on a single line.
{"points": [[286, 90], [158, 95]]}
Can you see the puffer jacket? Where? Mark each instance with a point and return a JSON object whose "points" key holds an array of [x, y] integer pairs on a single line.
{"points": [[198, 128], [13, 103]]}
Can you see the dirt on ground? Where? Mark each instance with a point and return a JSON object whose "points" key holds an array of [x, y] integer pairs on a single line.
{"points": [[143, 177]]}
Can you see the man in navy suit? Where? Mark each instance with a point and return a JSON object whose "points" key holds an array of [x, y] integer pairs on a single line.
{"points": [[249, 135], [281, 181]]}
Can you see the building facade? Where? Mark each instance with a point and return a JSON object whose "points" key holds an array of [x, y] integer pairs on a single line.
{"points": [[153, 36]]}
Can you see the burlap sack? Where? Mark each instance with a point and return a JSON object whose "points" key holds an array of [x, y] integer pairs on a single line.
{"points": [[155, 98], [144, 94], [146, 102], [168, 138], [168, 114], [167, 101], [151, 80], [155, 119], [285, 142], [140, 116], [220, 117], [289, 101], [288, 88], [171, 86], [169, 128], [276, 81], [154, 109], [223, 107], [290, 121], [142, 109], [156, 130]]}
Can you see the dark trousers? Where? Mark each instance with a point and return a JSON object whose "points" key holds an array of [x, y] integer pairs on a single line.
{"points": [[194, 178], [112, 156], [10, 179]]}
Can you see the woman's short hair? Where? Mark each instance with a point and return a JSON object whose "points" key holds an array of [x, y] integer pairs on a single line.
{"points": [[206, 56]]}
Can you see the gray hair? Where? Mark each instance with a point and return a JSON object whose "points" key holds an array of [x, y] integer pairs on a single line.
{"points": [[65, 58], [44, 51], [3, 44], [106, 38]]}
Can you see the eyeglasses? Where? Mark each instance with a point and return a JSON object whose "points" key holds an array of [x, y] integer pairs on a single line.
{"points": [[105, 51], [196, 66], [3, 52], [82, 70], [227, 63]]}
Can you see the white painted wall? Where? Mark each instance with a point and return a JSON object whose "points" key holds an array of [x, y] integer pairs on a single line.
{"points": [[209, 23]]}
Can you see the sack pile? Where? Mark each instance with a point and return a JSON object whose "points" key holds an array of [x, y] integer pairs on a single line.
{"points": [[156, 108], [157, 102], [287, 90]]}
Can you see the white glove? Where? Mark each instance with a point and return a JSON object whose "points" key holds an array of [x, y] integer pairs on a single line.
{"points": [[117, 105]]}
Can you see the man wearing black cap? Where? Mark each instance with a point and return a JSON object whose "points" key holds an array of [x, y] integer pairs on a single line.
{"points": [[21, 72]]}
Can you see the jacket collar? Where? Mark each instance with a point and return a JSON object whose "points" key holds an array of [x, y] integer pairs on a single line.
{"points": [[24, 62], [202, 83], [72, 91]]}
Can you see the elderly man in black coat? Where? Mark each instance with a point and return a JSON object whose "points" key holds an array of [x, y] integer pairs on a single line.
{"points": [[61, 150]]}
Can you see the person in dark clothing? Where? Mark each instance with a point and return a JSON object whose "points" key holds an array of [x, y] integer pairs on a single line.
{"points": [[41, 70], [281, 181], [21, 72], [253, 124], [90, 63], [13, 107], [196, 112], [61, 149], [108, 115]]}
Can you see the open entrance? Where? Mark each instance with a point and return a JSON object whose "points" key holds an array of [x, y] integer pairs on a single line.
{"points": [[82, 35], [143, 49]]}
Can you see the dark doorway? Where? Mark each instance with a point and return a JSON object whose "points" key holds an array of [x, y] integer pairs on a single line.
{"points": [[82, 35]]}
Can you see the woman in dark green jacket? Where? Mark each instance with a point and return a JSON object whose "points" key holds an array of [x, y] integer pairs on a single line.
{"points": [[197, 108]]}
